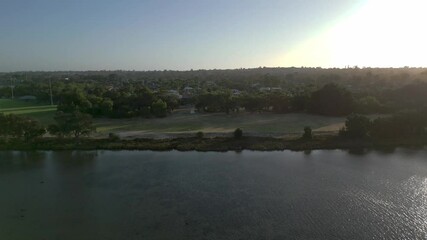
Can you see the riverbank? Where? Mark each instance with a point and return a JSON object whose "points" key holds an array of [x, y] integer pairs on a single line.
{"points": [[212, 144]]}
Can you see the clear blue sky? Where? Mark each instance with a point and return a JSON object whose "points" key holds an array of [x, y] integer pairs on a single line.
{"points": [[158, 34]]}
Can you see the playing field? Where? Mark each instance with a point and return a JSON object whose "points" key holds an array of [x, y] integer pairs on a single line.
{"points": [[41, 112]]}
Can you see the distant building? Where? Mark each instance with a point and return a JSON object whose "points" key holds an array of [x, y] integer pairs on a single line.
{"points": [[188, 90], [270, 89], [235, 92], [28, 98], [276, 89], [265, 89], [174, 93]]}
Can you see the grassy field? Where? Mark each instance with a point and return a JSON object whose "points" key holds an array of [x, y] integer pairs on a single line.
{"points": [[42, 112], [184, 122]]}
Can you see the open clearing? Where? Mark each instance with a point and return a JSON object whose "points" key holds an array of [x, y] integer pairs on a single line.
{"points": [[41, 112], [182, 122]]}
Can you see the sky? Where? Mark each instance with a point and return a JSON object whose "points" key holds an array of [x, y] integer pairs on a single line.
{"points": [[210, 34]]}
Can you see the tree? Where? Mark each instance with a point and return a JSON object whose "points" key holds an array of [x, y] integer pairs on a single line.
{"points": [[299, 102], [356, 126], [215, 102], [159, 108], [403, 124], [9, 126], [13, 126], [199, 135], [74, 100], [331, 100], [279, 102], [75, 123], [171, 101], [32, 129], [253, 103], [368, 105], [238, 133], [308, 135]]}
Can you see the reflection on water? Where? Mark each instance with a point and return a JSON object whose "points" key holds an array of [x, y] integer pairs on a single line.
{"points": [[244, 195]]}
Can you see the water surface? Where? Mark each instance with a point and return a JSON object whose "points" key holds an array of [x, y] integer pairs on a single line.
{"points": [[191, 195]]}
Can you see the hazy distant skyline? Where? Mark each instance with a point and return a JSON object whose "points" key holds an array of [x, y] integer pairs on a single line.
{"points": [[204, 34]]}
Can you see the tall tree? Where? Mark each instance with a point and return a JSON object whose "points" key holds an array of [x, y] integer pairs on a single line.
{"points": [[331, 100], [75, 124]]}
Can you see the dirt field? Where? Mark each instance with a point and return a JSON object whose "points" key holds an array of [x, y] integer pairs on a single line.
{"points": [[183, 123]]}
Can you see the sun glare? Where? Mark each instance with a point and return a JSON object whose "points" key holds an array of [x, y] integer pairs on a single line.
{"points": [[382, 33]]}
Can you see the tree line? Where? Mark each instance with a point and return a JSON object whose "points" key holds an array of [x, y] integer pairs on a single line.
{"points": [[330, 100], [399, 125], [75, 124]]}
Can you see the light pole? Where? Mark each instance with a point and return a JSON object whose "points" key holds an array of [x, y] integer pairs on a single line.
{"points": [[50, 90], [12, 87]]}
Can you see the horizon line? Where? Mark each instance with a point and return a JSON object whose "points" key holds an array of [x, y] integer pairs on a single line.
{"points": [[212, 69]]}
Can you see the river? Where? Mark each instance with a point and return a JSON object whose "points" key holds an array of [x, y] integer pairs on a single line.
{"points": [[331, 194]]}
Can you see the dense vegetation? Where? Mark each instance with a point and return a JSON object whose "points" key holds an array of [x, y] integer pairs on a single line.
{"points": [[398, 93], [407, 124], [121, 94]]}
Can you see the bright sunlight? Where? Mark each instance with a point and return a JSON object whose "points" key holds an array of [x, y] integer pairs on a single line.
{"points": [[382, 33]]}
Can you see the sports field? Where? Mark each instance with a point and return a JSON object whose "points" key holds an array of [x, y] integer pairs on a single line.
{"points": [[41, 112]]}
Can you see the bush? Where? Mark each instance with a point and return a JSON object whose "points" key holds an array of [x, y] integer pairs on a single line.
{"points": [[403, 124], [238, 133], [113, 137], [13, 126], [159, 108], [75, 123], [356, 126], [307, 133], [199, 134]]}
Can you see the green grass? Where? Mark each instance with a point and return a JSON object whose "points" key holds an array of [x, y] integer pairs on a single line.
{"points": [[41, 112]]}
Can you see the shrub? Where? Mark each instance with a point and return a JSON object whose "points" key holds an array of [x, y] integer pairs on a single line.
{"points": [[238, 133], [13, 126], [199, 134], [356, 126], [75, 123], [307, 133], [113, 137], [159, 108]]}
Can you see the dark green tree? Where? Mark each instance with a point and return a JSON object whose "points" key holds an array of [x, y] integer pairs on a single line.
{"points": [[331, 100], [356, 126], [238, 133], [159, 108], [13, 126], [308, 135], [74, 100], [75, 124]]}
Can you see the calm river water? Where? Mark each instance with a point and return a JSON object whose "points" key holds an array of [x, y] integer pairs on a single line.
{"points": [[191, 195]]}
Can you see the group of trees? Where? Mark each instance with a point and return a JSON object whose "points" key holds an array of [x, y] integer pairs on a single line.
{"points": [[124, 102], [403, 124], [13, 126], [122, 94], [126, 94], [330, 100], [73, 124]]}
